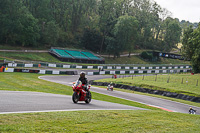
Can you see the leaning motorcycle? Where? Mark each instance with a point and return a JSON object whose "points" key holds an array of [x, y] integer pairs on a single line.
{"points": [[110, 87], [80, 94]]}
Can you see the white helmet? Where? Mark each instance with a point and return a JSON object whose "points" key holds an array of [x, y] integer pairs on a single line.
{"points": [[82, 74]]}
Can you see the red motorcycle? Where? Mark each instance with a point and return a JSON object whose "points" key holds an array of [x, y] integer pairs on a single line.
{"points": [[110, 87], [80, 94]]}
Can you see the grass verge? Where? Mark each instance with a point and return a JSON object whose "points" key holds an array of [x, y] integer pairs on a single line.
{"points": [[178, 83], [101, 121]]}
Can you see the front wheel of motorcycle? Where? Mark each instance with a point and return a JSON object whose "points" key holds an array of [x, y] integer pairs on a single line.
{"points": [[89, 97], [75, 97]]}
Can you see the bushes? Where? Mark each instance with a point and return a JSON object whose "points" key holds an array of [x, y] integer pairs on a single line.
{"points": [[147, 55], [91, 39]]}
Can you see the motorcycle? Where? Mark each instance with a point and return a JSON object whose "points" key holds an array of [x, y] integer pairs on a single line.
{"points": [[80, 94], [110, 87], [192, 111]]}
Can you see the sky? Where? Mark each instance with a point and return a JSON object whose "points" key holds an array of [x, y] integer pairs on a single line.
{"points": [[188, 10]]}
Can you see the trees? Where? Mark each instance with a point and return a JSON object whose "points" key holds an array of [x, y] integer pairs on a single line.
{"points": [[91, 39], [125, 32], [28, 33], [173, 33], [50, 33], [112, 47], [191, 47], [66, 22], [107, 11], [188, 46], [17, 25]]}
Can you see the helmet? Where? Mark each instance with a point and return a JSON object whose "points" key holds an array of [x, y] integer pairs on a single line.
{"points": [[82, 74], [190, 107]]}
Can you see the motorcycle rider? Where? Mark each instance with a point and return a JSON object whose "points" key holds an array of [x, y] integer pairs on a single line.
{"points": [[110, 86], [192, 111], [84, 80]]}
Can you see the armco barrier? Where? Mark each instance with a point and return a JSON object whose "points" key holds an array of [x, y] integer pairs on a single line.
{"points": [[98, 67], [96, 73], [139, 72], [56, 72]]}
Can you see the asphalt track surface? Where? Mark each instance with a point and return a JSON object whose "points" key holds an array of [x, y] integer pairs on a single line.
{"points": [[164, 104], [28, 102]]}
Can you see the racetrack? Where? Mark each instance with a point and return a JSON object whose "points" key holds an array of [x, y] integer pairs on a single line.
{"points": [[26, 102], [149, 101]]}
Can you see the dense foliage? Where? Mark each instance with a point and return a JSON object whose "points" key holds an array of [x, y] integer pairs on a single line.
{"points": [[147, 55], [191, 47], [111, 26]]}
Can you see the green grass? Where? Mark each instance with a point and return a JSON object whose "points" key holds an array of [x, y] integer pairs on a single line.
{"points": [[138, 60], [188, 86], [30, 82], [46, 57], [43, 57], [10, 47], [101, 121]]}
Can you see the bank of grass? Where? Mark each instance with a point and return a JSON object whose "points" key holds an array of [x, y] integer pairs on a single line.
{"points": [[138, 60], [10, 47], [46, 57], [178, 83], [101, 121], [42, 57], [30, 82]]}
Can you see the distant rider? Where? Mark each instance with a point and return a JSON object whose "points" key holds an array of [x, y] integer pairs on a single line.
{"points": [[192, 111]]}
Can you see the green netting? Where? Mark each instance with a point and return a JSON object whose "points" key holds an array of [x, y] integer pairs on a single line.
{"points": [[91, 56], [62, 53], [76, 54]]}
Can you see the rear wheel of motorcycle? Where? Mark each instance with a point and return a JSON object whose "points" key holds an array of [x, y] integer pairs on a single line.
{"points": [[75, 97], [88, 99]]}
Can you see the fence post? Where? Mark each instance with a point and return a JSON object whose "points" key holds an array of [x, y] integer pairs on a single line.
{"points": [[168, 79], [197, 82], [182, 81], [143, 77], [156, 78]]}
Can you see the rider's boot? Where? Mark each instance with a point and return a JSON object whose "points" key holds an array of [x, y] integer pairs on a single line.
{"points": [[87, 92]]}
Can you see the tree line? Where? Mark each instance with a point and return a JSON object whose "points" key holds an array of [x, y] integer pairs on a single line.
{"points": [[191, 46], [110, 26]]}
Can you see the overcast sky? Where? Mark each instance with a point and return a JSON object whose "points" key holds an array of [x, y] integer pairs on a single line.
{"points": [[188, 10]]}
